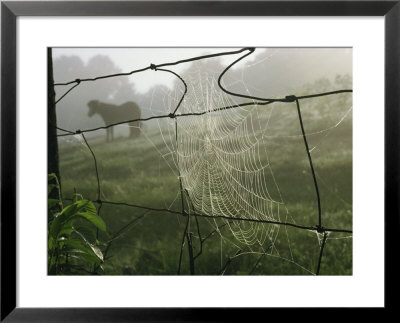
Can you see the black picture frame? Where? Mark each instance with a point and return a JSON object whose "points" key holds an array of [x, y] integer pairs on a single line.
{"points": [[10, 10]]}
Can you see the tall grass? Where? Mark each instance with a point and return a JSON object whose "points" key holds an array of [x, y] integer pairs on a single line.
{"points": [[138, 172]]}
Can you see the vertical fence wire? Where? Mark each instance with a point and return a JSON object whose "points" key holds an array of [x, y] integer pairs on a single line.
{"points": [[257, 101]]}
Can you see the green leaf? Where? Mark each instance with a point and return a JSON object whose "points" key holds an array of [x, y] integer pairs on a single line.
{"points": [[71, 235], [71, 250], [50, 243], [81, 255], [74, 208], [94, 219], [89, 212], [85, 248], [52, 203], [56, 225], [51, 176], [90, 259], [71, 211], [66, 230], [52, 215], [95, 249], [75, 244], [76, 196], [88, 232], [86, 210], [98, 252]]}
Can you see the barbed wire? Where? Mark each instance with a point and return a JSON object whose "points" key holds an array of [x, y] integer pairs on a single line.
{"points": [[257, 101]]}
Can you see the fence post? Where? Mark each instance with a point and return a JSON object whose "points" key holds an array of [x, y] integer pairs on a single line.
{"points": [[52, 144], [53, 158]]}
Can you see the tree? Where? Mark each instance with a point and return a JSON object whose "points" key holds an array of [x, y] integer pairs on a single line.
{"points": [[72, 110]]}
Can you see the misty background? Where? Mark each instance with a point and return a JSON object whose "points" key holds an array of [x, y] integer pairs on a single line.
{"points": [[268, 72], [250, 140]]}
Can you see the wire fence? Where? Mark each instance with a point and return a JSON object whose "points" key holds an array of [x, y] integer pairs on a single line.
{"points": [[176, 115]]}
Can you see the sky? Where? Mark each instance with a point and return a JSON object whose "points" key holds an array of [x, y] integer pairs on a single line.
{"points": [[268, 72], [128, 59]]}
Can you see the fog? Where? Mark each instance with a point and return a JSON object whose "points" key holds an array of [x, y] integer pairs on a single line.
{"points": [[268, 72], [250, 162]]}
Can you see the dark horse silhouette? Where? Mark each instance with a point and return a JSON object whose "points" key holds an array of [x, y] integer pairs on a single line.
{"points": [[112, 114]]}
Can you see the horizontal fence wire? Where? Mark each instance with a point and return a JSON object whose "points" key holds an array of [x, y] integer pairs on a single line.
{"points": [[256, 101]]}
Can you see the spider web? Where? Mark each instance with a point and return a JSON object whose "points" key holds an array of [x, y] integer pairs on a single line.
{"points": [[223, 158], [223, 163]]}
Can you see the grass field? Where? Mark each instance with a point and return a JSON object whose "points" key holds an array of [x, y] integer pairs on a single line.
{"points": [[138, 172]]}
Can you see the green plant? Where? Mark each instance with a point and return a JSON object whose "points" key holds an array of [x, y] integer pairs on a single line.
{"points": [[73, 246]]}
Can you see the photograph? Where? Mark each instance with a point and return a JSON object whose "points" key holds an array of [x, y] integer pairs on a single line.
{"points": [[200, 161], [197, 159]]}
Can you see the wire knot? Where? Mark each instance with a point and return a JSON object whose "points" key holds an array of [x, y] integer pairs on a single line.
{"points": [[172, 115], [251, 49], [78, 131], [320, 229], [78, 81], [99, 202], [290, 98], [153, 67]]}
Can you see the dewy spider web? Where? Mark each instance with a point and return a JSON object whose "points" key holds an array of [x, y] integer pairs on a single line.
{"points": [[220, 157], [220, 161]]}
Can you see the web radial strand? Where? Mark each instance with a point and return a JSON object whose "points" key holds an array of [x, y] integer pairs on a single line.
{"points": [[223, 164]]}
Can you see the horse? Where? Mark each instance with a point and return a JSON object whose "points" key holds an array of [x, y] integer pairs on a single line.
{"points": [[112, 114]]}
